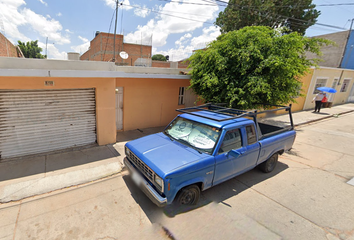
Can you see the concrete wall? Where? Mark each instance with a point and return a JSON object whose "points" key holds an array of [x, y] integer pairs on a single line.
{"points": [[149, 102], [105, 98], [7, 49], [330, 74], [332, 55]]}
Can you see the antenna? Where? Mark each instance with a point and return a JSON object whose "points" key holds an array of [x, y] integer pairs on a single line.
{"points": [[123, 55]]}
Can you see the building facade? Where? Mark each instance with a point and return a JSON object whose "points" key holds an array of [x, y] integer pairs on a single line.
{"points": [[102, 48], [7, 49], [50, 105]]}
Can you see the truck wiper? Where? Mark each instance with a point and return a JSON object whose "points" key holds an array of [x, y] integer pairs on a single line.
{"points": [[190, 144], [169, 136]]}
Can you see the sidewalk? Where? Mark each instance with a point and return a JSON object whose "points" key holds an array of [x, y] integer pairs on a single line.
{"points": [[30, 176]]}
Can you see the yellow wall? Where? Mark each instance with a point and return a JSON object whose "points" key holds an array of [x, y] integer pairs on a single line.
{"points": [[330, 74], [300, 101], [105, 98], [149, 102]]}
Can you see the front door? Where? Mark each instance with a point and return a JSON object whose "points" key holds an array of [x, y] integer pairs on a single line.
{"points": [[226, 164], [119, 108]]}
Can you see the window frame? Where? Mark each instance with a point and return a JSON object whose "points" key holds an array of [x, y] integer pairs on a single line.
{"points": [[345, 85], [181, 95], [234, 143], [317, 84], [254, 133]]}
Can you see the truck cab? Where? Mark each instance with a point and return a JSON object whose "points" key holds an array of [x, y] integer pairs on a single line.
{"points": [[202, 147]]}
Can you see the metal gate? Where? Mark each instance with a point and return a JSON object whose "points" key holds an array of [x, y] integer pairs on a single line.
{"points": [[37, 121]]}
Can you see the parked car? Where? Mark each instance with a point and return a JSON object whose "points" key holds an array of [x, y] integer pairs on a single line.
{"points": [[202, 147]]}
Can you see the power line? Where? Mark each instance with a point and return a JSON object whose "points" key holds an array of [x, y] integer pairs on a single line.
{"points": [[190, 19], [109, 31]]}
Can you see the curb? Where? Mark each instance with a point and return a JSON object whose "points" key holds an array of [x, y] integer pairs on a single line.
{"points": [[323, 118]]}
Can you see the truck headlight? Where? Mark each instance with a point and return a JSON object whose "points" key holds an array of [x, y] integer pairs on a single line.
{"points": [[158, 180], [127, 151]]}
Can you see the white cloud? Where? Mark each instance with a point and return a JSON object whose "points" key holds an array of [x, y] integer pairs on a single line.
{"points": [[43, 2], [48, 16], [141, 11], [82, 47], [59, 14], [68, 31], [52, 51], [164, 24], [184, 51], [14, 16], [83, 39], [112, 4], [46, 28]]}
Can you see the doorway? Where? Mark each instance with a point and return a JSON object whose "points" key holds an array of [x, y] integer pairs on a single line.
{"points": [[119, 108]]}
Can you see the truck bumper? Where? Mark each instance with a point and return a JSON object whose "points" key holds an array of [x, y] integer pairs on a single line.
{"points": [[149, 191]]}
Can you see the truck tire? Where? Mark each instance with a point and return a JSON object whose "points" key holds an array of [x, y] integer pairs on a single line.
{"points": [[269, 164], [189, 195]]}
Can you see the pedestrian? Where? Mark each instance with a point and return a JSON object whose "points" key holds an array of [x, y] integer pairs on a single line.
{"points": [[318, 101]]}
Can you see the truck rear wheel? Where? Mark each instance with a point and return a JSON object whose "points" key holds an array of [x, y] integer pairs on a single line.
{"points": [[189, 195], [269, 164]]}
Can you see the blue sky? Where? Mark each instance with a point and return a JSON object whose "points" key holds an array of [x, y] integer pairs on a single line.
{"points": [[166, 24]]}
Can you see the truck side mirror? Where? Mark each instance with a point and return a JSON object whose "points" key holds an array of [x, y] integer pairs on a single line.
{"points": [[234, 153]]}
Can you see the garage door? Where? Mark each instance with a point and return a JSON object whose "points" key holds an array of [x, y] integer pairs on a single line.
{"points": [[37, 121]]}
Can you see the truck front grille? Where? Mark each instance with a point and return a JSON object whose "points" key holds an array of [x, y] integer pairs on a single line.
{"points": [[142, 167]]}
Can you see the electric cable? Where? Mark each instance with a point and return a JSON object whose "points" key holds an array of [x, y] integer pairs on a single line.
{"points": [[109, 31]]}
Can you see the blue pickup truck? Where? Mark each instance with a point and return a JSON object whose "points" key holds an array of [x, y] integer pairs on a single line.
{"points": [[202, 147]]}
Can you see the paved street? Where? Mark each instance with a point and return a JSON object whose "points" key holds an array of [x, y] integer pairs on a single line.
{"points": [[306, 197]]}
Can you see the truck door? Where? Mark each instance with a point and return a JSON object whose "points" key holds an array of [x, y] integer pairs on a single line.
{"points": [[226, 164], [252, 148]]}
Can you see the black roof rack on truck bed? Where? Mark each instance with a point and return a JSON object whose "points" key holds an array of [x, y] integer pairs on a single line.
{"points": [[233, 112]]}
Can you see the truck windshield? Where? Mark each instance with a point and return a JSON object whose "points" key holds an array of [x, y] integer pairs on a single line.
{"points": [[197, 135]]}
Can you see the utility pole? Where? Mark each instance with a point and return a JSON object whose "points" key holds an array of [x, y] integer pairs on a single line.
{"points": [[350, 30], [46, 48], [115, 30]]}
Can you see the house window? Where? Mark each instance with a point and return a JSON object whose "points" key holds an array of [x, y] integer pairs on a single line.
{"points": [[345, 85], [181, 96], [320, 82], [251, 134], [335, 82]]}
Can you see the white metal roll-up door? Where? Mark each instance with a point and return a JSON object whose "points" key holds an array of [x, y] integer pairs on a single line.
{"points": [[37, 121]]}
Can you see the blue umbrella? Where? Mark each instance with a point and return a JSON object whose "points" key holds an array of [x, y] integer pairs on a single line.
{"points": [[327, 89]]}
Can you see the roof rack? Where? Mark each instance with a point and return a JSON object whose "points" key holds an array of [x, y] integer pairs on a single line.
{"points": [[232, 112]]}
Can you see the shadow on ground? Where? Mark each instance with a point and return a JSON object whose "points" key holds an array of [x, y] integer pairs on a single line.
{"points": [[217, 194], [48, 162]]}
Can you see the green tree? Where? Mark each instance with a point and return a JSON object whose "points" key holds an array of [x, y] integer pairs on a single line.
{"points": [[31, 49], [297, 16], [159, 57], [253, 65]]}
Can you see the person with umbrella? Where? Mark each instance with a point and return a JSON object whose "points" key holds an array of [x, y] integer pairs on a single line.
{"points": [[321, 97], [318, 101]]}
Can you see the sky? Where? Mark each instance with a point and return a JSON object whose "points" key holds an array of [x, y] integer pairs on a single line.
{"points": [[172, 27]]}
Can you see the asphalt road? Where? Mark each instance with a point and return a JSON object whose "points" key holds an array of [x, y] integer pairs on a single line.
{"points": [[306, 197]]}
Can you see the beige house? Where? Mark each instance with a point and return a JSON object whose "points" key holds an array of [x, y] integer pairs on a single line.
{"points": [[340, 79]]}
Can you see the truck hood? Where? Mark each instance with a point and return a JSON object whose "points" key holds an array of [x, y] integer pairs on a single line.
{"points": [[162, 154]]}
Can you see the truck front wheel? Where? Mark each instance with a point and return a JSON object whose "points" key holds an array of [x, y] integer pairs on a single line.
{"points": [[189, 195], [269, 164]]}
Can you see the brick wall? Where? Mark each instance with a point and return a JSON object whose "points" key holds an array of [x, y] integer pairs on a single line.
{"points": [[160, 64], [7, 49], [101, 49]]}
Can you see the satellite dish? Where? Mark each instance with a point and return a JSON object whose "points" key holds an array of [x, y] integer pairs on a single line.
{"points": [[123, 55]]}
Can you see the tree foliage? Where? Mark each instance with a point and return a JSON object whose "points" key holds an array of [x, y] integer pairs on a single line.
{"points": [[159, 57], [31, 49], [295, 15], [253, 65]]}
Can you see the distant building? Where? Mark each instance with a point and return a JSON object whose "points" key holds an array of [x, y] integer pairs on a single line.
{"points": [[7, 49], [101, 49], [339, 55]]}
